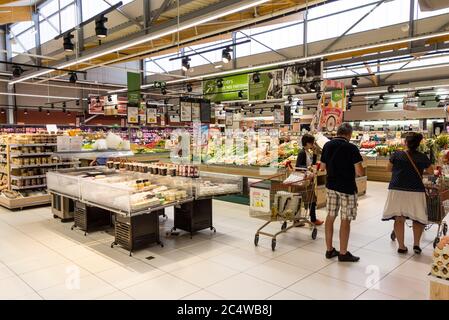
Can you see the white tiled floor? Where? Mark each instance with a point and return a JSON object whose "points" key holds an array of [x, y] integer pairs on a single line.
{"points": [[41, 258]]}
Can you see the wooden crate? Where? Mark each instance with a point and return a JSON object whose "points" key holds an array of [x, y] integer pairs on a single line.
{"points": [[439, 289]]}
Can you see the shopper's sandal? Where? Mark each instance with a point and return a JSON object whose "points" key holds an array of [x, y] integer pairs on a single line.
{"points": [[332, 254], [417, 249], [347, 257], [403, 251]]}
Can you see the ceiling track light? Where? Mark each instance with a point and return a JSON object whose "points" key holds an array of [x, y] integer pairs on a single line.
{"points": [[67, 42], [185, 63], [256, 77], [241, 94], [109, 98], [48, 112], [17, 71], [164, 91], [189, 87], [100, 29], [381, 97], [290, 99], [318, 95], [417, 93], [376, 102], [390, 89], [315, 86], [25, 111], [73, 77], [2, 111], [351, 93], [220, 83], [423, 103], [77, 102], [69, 113], [40, 109], [396, 105], [355, 82], [371, 107], [437, 98], [226, 55]]}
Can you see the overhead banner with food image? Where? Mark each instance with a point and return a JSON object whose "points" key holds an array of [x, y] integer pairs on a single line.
{"points": [[331, 111], [301, 78], [226, 89], [107, 105], [265, 85]]}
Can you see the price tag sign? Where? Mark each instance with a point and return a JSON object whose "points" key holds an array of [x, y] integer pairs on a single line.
{"points": [[52, 128]]}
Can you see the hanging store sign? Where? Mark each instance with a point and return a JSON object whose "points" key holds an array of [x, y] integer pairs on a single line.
{"points": [[265, 85], [133, 115], [229, 118], [330, 113], [133, 88], [151, 115], [102, 105], [226, 89], [410, 102], [196, 111], [186, 110]]}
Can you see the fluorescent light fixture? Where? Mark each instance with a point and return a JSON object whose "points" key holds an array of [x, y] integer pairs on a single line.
{"points": [[38, 96], [143, 39]]}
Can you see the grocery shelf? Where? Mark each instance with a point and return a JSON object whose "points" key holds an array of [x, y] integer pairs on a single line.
{"points": [[27, 177], [33, 145], [43, 165], [29, 187], [31, 154]]}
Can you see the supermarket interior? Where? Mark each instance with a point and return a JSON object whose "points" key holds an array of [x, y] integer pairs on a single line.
{"points": [[224, 150]]}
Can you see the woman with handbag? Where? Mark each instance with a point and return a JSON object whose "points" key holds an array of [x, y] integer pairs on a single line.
{"points": [[406, 195]]}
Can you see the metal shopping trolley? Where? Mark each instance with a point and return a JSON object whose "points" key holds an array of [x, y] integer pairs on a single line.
{"points": [[437, 201], [284, 199]]}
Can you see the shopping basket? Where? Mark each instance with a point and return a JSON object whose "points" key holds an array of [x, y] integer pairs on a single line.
{"points": [[437, 204], [275, 199]]}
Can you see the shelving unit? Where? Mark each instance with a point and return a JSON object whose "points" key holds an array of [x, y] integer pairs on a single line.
{"points": [[26, 158]]}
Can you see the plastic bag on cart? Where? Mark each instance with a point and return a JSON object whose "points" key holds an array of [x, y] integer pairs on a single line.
{"points": [[286, 205], [299, 178]]}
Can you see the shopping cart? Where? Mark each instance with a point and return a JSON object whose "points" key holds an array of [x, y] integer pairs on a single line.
{"points": [[276, 200], [437, 200]]}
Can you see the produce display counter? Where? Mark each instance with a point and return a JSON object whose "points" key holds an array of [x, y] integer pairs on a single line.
{"points": [[376, 169]]}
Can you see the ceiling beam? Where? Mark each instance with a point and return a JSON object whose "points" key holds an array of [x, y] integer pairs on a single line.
{"points": [[15, 14]]}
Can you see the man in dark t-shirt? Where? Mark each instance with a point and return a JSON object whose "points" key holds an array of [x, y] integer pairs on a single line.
{"points": [[343, 162]]}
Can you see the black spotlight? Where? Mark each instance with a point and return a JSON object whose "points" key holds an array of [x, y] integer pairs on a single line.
{"points": [[110, 98], [349, 105], [297, 110], [437, 98], [241, 94], [350, 99], [440, 104], [63, 107], [17, 71], [355, 82], [189, 87], [100, 29], [290, 99], [40, 109], [226, 55], [69, 114], [256, 77], [261, 111], [376, 102], [316, 86], [73, 77], [98, 99], [52, 105], [67, 42], [351, 93], [318, 95], [25, 111], [371, 107], [396, 105], [164, 91], [417, 93], [185, 63], [301, 72], [219, 83], [381, 97], [48, 112], [77, 102], [2, 111], [423, 103], [390, 89], [88, 100]]}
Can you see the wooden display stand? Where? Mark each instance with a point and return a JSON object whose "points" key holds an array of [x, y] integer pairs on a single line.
{"points": [[439, 289], [376, 169]]}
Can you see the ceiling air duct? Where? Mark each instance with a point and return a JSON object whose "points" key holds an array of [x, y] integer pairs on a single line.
{"points": [[431, 5]]}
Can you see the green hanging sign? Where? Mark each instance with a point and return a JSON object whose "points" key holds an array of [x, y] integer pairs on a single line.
{"points": [[232, 85], [134, 88]]}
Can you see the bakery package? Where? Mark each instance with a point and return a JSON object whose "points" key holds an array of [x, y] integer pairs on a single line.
{"points": [[440, 265]]}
